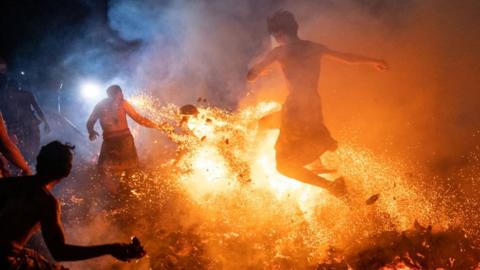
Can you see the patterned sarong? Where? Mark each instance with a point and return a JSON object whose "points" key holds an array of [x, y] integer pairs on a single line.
{"points": [[118, 153], [303, 135]]}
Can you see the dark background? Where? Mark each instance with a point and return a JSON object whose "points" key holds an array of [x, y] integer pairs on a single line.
{"points": [[36, 36]]}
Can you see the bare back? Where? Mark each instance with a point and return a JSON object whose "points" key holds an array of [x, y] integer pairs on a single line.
{"points": [[23, 205], [300, 62]]}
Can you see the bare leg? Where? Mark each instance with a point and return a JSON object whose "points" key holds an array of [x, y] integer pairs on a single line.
{"points": [[298, 172], [110, 182], [271, 121]]}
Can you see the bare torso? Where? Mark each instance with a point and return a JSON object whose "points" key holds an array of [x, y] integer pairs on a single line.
{"points": [[112, 116]]}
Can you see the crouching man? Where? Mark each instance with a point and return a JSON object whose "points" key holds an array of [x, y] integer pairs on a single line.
{"points": [[27, 205]]}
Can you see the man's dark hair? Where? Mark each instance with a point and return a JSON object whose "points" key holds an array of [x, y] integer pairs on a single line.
{"points": [[113, 90], [282, 21], [55, 160]]}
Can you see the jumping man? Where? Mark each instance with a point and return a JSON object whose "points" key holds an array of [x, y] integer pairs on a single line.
{"points": [[303, 136]]}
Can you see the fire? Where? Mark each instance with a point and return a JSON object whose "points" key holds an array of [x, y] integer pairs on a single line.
{"points": [[225, 150], [226, 168]]}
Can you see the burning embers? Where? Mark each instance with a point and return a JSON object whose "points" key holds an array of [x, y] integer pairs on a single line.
{"points": [[238, 212], [417, 248]]}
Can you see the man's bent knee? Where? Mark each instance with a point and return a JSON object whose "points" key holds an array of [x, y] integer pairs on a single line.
{"points": [[271, 121]]}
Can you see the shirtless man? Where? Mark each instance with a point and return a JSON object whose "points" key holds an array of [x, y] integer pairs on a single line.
{"points": [[303, 136], [23, 116], [118, 153], [27, 205]]}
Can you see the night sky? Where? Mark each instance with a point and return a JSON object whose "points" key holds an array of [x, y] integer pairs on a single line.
{"points": [[26, 24], [40, 33]]}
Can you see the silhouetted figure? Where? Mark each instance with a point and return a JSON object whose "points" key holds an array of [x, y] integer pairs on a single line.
{"points": [[118, 153], [303, 136], [27, 205], [23, 116]]}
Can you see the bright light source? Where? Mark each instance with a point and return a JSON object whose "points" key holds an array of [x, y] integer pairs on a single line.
{"points": [[91, 90]]}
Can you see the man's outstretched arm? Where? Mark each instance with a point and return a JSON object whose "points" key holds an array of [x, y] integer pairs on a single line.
{"points": [[10, 150], [53, 235], [349, 58], [259, 67], [138, 117]]}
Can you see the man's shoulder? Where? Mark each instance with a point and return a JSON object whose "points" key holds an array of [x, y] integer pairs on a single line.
{"points": [[126, 103], [8, 182], [314, 44], [24, 185], [46, 198], [103, 103]]}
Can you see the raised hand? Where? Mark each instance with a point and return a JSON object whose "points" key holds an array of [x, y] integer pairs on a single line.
{"points": [[93, 135], [381, 65]]}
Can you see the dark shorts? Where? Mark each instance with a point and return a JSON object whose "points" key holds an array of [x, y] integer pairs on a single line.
{"points": [[26, 259], [118, 153], [303, 136]]}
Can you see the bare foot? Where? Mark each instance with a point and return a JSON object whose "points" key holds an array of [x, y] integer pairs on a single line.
{"points": [[372, 199], [338, 188]]}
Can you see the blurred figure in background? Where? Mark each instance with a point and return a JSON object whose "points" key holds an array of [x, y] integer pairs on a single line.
{"points": [[303, 135], [118, 153], [23, 116], [7, 148]]}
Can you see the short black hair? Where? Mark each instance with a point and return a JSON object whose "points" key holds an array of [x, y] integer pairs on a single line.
{"points": [[113, 89], [55, 160], [282, 21]]}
